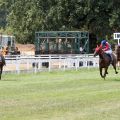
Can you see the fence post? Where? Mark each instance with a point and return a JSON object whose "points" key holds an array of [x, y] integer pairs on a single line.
{"points": [[88, 64], [59, 62], [49, 63], [17, 65], [35, 70], [64, 64], [35, 67], [39, 64], [28, 64], [76, 63]]}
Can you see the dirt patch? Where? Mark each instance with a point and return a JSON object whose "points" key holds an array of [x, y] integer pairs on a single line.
{"points": [[26, 49]]}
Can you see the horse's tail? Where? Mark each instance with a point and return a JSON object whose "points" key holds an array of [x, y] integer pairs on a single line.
{"points": [[114, 57]]}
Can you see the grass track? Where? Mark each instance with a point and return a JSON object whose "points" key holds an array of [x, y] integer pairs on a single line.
{"points": [[69, 95]]}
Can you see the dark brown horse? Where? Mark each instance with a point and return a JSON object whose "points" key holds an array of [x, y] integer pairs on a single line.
{"points": [[2, 63], [117, 51], [105, 61]]}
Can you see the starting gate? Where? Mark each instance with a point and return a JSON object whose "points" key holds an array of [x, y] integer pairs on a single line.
{"points": [[61, 42]]}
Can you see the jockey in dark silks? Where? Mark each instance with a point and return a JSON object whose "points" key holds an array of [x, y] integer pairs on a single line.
{"points": [[107, 48]]}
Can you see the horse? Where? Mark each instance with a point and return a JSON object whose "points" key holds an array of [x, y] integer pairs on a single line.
{"points": [[105, 61], [117, 51], [2, 63]]}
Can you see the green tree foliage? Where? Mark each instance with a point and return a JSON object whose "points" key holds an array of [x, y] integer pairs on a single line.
{"points": [[3, 14], [24, 17]]}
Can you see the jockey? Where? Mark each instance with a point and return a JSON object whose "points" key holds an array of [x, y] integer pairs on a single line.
{"points": [[107, 48]]}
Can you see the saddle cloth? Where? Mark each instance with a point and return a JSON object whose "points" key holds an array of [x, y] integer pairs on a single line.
{"points": [[111, 59]]}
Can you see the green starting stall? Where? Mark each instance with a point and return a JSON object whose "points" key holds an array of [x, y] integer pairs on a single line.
{"points": [[61, 42]]}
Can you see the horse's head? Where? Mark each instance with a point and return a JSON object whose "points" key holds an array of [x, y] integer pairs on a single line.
{"points": [[98, 51], [118, 47]]}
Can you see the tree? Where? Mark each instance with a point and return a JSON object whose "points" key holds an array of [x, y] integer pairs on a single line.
{"points": [[3, 14], [24, 17]]}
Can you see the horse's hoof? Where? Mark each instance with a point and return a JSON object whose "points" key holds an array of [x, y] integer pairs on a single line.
{"points": [[103, 77], [116, 72]]}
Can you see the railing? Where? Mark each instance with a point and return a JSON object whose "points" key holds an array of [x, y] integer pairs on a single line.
{"points": [[35, 64]]}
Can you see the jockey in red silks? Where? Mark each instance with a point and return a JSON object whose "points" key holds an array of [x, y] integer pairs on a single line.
{"points": [[107, 48]]}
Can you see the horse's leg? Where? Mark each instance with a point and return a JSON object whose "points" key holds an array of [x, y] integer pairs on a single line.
{"points": [[100, 72], [118, 64], [1, 71], [114, 66], [105, 72]]}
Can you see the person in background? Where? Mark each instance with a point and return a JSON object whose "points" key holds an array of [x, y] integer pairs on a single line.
{"points": [[81, 50]]}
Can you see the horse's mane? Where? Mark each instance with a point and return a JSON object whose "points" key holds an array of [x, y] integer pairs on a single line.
{"points": [[99, 48]]}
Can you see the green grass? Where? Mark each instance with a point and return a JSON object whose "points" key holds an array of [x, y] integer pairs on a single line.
{"points": [[60, 95]]}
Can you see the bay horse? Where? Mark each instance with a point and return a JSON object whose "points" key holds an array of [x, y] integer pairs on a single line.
{"points": [[2, 63], [117, 51], [105, 61]]}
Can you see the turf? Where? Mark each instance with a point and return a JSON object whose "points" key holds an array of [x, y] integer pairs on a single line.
{"points": [[60, 95]]}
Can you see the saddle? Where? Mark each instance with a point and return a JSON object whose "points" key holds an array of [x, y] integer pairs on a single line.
{"points": [[110, 57]]}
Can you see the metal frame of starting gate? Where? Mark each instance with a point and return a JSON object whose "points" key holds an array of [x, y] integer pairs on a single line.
{"points": [[61, 42]]}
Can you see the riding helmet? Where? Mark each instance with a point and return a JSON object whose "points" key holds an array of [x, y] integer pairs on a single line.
{"points": [[103, 42]]}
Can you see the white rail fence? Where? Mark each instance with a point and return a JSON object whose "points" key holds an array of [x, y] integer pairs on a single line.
{"points": [[36, 64]]}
